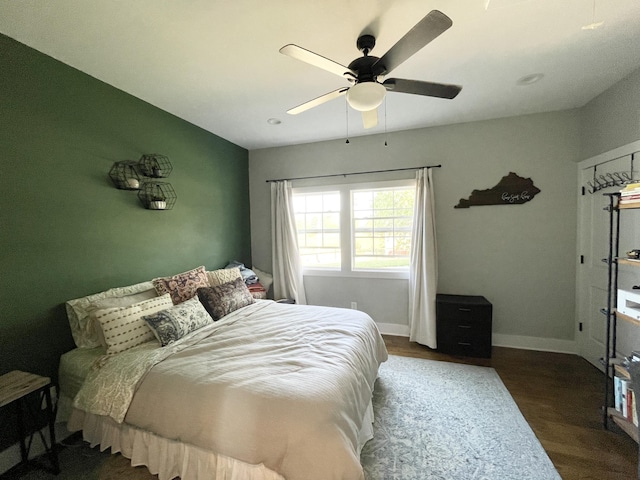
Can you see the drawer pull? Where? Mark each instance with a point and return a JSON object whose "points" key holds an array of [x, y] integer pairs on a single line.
{"points": [[464, 309], [464, 326], [466, 344]]}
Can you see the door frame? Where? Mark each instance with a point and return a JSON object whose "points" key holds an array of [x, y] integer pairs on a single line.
{"points": [[581, 244]]}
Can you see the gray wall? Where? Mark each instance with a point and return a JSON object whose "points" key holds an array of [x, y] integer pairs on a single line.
{"points": [[521, 257], [612, 119]]}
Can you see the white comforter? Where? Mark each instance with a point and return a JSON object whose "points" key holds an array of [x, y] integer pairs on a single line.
{"points": [[282, 385]]}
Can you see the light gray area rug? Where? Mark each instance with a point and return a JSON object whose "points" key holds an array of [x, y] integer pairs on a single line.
{"points": [[433, 421], [446, 421]]}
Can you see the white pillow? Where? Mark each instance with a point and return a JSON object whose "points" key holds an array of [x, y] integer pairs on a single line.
{"points": [[223, 275], [125, 328], [78, 311]]}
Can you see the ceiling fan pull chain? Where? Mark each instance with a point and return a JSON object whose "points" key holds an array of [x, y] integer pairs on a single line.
{"points": [[346, 114], [385, 121]]}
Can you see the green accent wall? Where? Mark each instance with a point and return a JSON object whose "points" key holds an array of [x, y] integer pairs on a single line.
{"points": [[66, 231]]}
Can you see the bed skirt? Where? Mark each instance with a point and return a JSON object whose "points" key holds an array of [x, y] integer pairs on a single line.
{"points": [[169, 458]]}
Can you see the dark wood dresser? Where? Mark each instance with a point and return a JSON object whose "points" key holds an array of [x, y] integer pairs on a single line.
{"points": [[463, 325]]}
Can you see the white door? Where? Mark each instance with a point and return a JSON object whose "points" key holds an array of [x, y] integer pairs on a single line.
{"points": [[593, 247]]}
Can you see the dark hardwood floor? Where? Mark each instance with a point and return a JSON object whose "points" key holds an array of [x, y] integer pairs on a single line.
{"points": [[561, 396]]}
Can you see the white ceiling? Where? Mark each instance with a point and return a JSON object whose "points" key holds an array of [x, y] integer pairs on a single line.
{"points": [[215, 63]]}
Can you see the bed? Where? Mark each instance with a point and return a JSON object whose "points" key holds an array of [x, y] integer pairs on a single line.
{"points": [[267, 391]]}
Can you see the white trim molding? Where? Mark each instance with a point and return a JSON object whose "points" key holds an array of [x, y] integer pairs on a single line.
{"points": [[394, 329], [500, 340], [534, 343]]}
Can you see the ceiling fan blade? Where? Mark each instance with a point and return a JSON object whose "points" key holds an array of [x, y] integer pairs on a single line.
{"points": [[370, 118], [427, 29], [317, 101], [316, 60], [417, 87]]}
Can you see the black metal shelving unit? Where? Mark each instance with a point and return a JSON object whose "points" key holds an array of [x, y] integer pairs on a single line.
{"points": [[612, 316], [612, 293]]}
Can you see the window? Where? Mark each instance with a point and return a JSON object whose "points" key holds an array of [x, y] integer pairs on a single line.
{"points": [[381, 228], [318, 224], [370, 233]]}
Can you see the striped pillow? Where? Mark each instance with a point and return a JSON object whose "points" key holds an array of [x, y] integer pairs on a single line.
{"points": [[124, 328]]}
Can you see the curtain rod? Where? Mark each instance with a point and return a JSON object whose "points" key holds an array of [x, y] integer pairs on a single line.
{"points": [[352, 173]]}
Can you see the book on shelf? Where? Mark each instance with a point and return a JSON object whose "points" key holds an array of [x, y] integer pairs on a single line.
{"points": [[617, 393], [630, 202], [624, 397], [630, 187]]}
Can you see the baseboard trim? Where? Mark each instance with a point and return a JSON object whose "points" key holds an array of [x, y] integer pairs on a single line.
{"points": [[500, 340], [393, 329], [534, 343]]}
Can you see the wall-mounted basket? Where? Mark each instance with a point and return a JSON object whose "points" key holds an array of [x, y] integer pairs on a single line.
{"points": [[124, 175], [157, 195], [154, 165]]}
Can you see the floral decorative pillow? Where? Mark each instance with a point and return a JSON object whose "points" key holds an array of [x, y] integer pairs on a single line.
{"points": [[182, 286], [174, 323], [226, 298]]}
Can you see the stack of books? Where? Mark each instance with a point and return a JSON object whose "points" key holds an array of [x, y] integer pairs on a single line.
{"points": [[624, 396], [630, 194], [625, 399]]}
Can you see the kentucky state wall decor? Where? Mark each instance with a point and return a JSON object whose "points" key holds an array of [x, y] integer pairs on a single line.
{"points": [[511, 190]]}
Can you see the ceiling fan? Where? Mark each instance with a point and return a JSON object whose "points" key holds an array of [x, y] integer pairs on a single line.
{"points": [[367, 91]]}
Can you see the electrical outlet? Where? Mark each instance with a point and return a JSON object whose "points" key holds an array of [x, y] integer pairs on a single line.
{"points": [[354, 305]]}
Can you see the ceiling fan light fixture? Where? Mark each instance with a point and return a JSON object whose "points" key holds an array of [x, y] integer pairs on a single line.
{"points": [[366, 96]]}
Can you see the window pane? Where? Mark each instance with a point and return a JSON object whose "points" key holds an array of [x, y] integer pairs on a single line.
{"points": [[331, 221], [362, 200], [318, 226], [381, 228], [363, 246], [364, 224], [332, 240]]}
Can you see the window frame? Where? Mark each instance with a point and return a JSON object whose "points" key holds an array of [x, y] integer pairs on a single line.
{"points": [[346, 235]]}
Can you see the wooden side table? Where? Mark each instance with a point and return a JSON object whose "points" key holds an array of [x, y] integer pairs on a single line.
{"points": [[14, 387]]}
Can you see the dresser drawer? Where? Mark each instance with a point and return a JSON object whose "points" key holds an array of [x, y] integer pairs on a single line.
{"points": [[463, 312]]}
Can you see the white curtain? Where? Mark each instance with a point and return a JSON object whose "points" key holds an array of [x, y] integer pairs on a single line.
{"points": [[287, 271], [423, 277]]}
